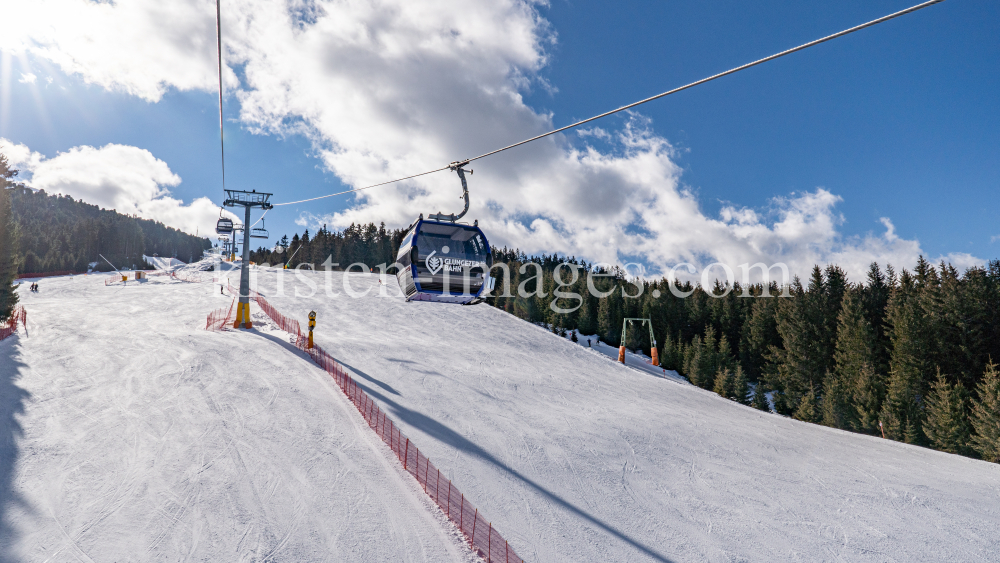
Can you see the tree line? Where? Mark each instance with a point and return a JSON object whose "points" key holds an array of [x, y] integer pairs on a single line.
{"points": [[42, 233], [58, 233], [908, 355]]}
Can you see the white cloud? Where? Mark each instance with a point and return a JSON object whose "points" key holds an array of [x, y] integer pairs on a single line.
{"points": [[27, 78], [127, 179], [386, 88], [140, 47]]}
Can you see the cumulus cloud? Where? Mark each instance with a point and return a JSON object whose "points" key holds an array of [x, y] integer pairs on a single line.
{"points": [[387, 88], [138, 47], [127, 179]]}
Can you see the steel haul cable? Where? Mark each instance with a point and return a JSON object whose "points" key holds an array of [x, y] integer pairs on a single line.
{"points": [[640, 102]]}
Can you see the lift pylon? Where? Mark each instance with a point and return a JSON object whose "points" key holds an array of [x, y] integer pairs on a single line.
{"points": [[248, 200]]}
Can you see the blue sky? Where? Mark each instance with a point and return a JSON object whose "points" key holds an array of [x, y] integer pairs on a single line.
{"points": [[900, 121]]}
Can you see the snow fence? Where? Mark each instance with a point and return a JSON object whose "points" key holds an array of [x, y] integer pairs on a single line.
{"points": [[221, 318], [10, 327], [186, 277], [483, 538]]}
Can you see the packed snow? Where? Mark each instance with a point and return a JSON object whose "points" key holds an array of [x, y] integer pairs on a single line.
{"points": [[131, 433]]}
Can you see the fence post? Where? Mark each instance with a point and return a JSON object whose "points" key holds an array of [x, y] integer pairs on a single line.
{"points": [[437, 489], [449, 498], [474, 521], [489, 545], [461, 515], [406, 456]]}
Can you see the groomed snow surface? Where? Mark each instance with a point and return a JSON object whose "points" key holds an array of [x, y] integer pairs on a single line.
{"points": [[129, 433]]}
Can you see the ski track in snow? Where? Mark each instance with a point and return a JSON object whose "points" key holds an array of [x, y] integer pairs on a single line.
{"points": [[145, 438], [575, 457]]}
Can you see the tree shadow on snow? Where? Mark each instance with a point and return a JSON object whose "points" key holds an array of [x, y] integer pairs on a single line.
{"points": [[12, 400], [293, 349], [452, 438], [381, 384]]}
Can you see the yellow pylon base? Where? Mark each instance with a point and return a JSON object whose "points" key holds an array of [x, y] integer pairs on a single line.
{"points": [[243, 316]]}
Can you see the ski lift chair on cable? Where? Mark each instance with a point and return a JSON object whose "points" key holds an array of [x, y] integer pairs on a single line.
{"points": [[444, 261], [260, 232], [224, 225]]}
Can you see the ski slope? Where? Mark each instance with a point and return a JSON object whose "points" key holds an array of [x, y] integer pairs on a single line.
{"points": [[138, 436], [129, 433]]}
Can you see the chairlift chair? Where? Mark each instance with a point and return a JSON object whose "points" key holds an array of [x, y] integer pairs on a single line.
{"points": [[444, 261], [260, 232]]}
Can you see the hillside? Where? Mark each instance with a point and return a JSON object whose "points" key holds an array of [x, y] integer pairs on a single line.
{"points": [[132, 433], [58, 233]]}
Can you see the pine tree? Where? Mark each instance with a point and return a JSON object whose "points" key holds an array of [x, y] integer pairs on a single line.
{"points": [[694, 362], [759, 400], [8, 241], [691, 357], [806, 410], [854, 351], [723, 386], [668, 354], [947, 426], [740, 387], [868, 392], [836, 407], [708, 362], [724, 358], [875, 298], [902, 410], [605, 321], [760, 333], [986, 415]]}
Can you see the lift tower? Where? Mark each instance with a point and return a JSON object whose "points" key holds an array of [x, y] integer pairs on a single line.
{"points": [[248, 200]]}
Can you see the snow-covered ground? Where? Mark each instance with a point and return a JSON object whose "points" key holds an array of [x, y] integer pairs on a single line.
{"points": [[147, 438], [129, 433], [162, 263]]}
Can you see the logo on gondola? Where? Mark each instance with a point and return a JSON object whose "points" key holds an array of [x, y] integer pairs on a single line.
{"points": [[434, 263]]}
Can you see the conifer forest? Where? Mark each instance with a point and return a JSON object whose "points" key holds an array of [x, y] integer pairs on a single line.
{"points": [[907, 354]]}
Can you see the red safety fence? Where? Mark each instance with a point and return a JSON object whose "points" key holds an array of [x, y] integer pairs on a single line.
{"points": [[10, 327], [185, 277], [483, 538], [219, 319]]}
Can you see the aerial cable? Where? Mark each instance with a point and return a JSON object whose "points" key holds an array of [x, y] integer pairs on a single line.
{"points": [[364, 188], [261, 219], [222, 142], [649, 99]]}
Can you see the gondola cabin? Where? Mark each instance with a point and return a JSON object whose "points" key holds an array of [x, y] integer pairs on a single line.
{"points": [[444, 262], [224, 226]]}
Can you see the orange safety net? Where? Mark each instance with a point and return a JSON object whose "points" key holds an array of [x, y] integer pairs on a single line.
{"points": [[10, 326], [479, 532]]}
